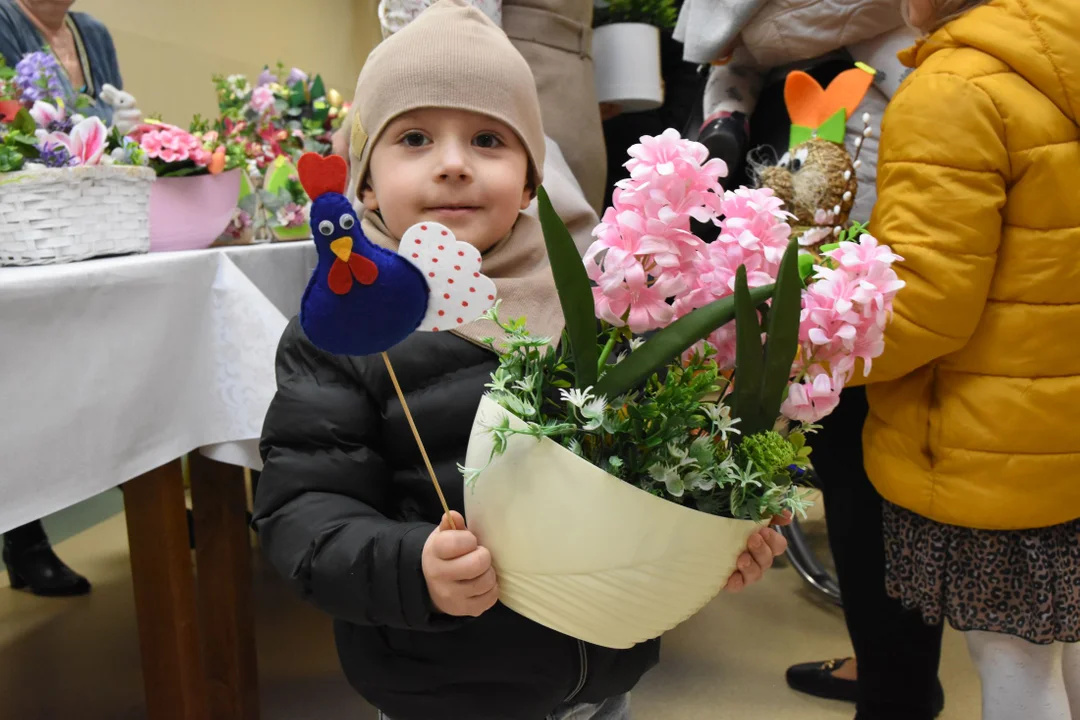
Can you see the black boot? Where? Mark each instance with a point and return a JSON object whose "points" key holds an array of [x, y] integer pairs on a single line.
{"points": [[817, 679], [31, 563]]}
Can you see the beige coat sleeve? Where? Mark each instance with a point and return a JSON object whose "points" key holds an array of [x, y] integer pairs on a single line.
{"points": [[786, 31], [555, 36], [566, 197]]}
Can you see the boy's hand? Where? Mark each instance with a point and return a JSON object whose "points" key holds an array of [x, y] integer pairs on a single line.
{"points": [[460, 578], [763, 546]]}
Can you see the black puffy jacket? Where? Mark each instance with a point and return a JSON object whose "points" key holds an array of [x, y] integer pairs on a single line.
{"points": [[344, 507]]}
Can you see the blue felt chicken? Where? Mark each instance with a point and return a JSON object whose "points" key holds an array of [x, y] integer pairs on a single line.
{"points": [[363, 299]]}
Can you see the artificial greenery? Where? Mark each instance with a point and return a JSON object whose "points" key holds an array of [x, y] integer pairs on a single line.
{"points": [[660, 13], [673, 437]]}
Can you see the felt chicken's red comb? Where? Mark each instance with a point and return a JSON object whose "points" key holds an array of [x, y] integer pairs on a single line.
{"points": [[320, 175]]}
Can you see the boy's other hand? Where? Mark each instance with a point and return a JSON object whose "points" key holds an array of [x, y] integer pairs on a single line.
{"points": [[459, 574], [762, 548]]}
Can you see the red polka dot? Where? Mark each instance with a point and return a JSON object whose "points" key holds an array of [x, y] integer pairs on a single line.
{"points": [[434, 259], [476, 274], [491, 297], [441, 247], [422, 227], [459, 321], [441, 313], [445, 233], [472, 289], [415, 255], [464, 303], [418, 241], [446, 296], [434, 329], [431, 274], [451, 281], [457, 267], [461, 253]]}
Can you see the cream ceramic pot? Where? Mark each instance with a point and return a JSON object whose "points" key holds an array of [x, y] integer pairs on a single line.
{"points": [[584, 553]]}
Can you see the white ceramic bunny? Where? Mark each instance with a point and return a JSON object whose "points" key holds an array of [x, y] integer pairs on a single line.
{"points": [[125, 115]]}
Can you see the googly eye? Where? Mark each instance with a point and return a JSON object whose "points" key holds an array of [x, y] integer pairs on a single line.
{"points": [[347, 221], [326, 228]]}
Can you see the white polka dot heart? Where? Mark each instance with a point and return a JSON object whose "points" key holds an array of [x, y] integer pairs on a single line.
{"points": [[457, 292]]}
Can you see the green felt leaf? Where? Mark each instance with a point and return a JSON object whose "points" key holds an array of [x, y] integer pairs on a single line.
{"points": [[799, 135], [318, 88], [672, 341], [298, 97], [749, 363], [575, 292], [782, 336], [835, 128], [278, 178]]}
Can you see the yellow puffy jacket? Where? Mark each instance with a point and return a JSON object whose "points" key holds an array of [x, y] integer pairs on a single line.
{"points": [[975, 404]]}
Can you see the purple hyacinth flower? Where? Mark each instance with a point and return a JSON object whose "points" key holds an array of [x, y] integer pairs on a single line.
{"points": [[56, 156], [265, 78], [38, 78], [296, 76]]}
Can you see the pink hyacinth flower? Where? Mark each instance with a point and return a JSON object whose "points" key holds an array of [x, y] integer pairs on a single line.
{"points": [[813, 399]]}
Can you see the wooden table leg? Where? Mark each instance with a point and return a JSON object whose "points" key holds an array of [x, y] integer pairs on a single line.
{"points": [[173, 674], [223, 558]]}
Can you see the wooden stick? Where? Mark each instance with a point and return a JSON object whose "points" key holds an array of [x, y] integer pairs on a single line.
{"points": [[419, 442]]}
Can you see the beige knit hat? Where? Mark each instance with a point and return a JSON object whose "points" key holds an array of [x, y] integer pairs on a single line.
{"points": [[451, 56]]}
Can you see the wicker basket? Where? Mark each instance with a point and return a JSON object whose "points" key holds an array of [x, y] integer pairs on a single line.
{"points": [[63, 215]]}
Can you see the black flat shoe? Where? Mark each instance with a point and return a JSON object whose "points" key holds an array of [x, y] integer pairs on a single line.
{"points": [[817, 679], [38, 569]]}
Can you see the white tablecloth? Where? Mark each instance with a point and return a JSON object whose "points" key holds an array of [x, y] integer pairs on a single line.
{"points": [[110, 368]]}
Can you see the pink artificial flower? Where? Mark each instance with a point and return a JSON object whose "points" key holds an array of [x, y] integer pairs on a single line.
{"points": [[170, 144], [86, 143], [624, 296], [45, 114], [292, 215], [813, 398], [262, 99]]}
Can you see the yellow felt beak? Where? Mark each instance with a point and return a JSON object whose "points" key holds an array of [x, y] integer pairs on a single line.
{"points": [[342, 247]]}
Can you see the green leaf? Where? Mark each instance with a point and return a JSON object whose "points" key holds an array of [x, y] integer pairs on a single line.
{"points": [[749, 365], [575, 293], [806, 267], [669, 343], [23, 122], [782, 335]]}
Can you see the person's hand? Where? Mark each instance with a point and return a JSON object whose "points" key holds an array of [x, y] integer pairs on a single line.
{"points": [[763, 546], [459, 574]]}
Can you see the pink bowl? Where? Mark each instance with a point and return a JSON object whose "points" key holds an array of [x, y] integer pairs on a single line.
{"points": [[189, 213]]}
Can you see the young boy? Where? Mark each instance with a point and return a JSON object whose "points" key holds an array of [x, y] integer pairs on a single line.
{"points": [[448, 129]]}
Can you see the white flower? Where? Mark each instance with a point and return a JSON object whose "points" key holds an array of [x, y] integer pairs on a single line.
{"points": [[723, 423], [576, 398]]}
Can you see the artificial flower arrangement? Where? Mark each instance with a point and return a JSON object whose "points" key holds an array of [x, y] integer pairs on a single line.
{"points": [[43, 132], [616, 478], [283, 115]]}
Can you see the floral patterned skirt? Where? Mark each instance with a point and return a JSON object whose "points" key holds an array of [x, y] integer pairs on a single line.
{"points": [[1021, 582]]}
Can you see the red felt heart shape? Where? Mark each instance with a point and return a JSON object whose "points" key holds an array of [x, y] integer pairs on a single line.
{"points": [[321, 175]]}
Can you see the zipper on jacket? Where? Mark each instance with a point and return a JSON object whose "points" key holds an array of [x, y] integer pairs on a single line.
{"points": [[584, 664]]}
